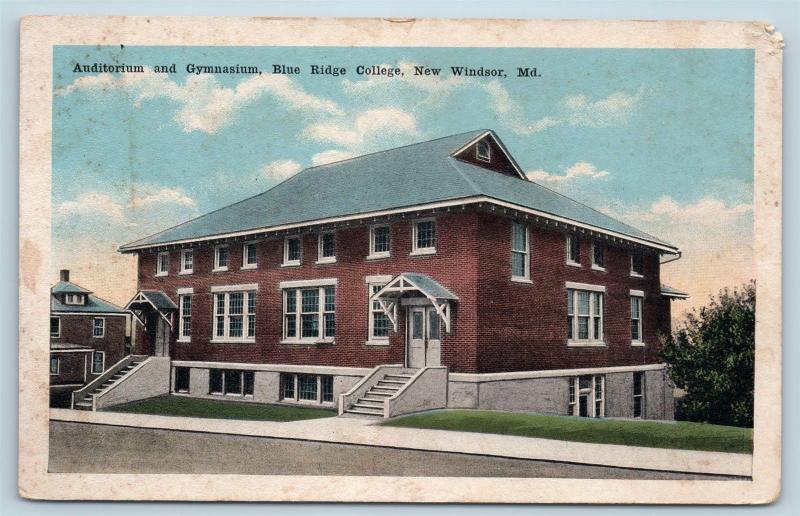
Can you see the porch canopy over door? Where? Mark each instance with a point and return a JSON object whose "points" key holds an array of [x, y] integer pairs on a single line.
{"points": [[410, 284], [146, 300]]}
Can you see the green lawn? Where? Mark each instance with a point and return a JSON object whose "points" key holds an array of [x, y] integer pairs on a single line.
{"points": [[681, 435], [220, 409]]}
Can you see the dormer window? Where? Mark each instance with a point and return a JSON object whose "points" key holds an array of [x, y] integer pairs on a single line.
{"points": [[483, 151], [74, 299]]}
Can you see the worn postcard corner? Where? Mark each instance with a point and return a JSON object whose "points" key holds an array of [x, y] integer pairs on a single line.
{"points": [[371, 260]]}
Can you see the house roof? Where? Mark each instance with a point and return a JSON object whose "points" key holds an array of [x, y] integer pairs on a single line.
{"points": [[429, 286], [65, 346], [93, 303], [67, 287], [159, 300], [417, 175], [668, 291]]}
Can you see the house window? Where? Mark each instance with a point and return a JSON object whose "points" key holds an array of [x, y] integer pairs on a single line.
{"points": [[379, 242], [221, 255], [638, 394], [234, 315], [573, 250], [306, 388], [54, 365], [185, 317], [55, 327], [98, 327], [584, 317], [249, 256], [483, 151], [587, 396], [98, 362], [231, 382], [187, 261], [637, 265], [424, 237], [598, 256], [317, 314], [181, 379], [636, 319], [292, 251], [326, 247], [520, 265], [162, 264], [73, 299], [378, 320]]}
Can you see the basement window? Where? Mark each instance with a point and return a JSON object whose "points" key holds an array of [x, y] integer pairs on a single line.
{"points": [[638, 394], [231, 382], [587, 396], [181, 379], [306, 388]]}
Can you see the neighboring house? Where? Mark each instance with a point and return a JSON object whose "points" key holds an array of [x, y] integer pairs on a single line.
{"points": [[428, 256], [87, 335]]}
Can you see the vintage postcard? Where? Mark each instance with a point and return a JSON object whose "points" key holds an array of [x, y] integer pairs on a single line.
{"points": [[400, 260]]}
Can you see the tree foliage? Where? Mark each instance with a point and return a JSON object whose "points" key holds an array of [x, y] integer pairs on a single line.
{"points": [[712, 358]]}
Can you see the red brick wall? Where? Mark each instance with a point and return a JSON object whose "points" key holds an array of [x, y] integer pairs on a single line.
{"points": [[523, 326], [77, 329], [70, 368], [497, 159], [454, 265]]}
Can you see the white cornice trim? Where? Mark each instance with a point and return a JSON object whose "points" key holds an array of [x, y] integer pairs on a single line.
{"points": [[585, 286], [233, 288], [555, 373], [320, 282]]}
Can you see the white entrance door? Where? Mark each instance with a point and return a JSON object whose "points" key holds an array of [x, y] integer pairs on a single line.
{"points": [[424, 337]]}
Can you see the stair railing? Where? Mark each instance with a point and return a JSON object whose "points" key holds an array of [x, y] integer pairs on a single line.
{"points": [[100, 380]]}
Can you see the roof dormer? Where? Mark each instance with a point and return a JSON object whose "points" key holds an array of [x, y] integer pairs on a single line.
{"points": [[487, 151]]}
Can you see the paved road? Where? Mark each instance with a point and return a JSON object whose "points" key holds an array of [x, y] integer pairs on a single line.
{"points": [[92, 448]]}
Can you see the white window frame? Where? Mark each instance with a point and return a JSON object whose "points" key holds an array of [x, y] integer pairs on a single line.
{"points": [[483, 157], [184, 268], [569, 259], [245, 263], [325, 259], [74, 299], [596, 292], [592, 391], [642, 395], [595, 266], [638, 294], [102, 363], [374, 282], [635, 274], [94, 319], [217, 266], [182, 316], [298, 313], [58, 365], [58, 333], [526, 277], [418, 251], [247, 291], [223, 392], [296, 389], [286, 261], [373, 254], [165, 270]]}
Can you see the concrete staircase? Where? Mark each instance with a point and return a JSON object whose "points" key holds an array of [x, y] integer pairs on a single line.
{"points": [[372, 403], [85, 398]]}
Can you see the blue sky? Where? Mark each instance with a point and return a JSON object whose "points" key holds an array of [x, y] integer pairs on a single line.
{"points": [[660, 138]]}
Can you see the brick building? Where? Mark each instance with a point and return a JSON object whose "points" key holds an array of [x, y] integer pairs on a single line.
{"points": [[423, 276], [87, 335]]}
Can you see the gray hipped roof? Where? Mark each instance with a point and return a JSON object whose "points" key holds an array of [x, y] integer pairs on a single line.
{"points": [[430, 286], [93, 303], [418, 174]]}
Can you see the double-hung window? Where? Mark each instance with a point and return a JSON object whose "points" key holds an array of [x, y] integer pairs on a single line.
{"points": [[309, 313], [637, 265], [162, 264], [573, 250], [584, 315], [55, 327], [98, 327], [221, 256], [598, 256], [249, 255], [423, 237], [636, 318], [98, 362], [326, 247], [54, 365], [638, 394], [292, 253], [378, 242], [187, 261], [378, 320], [235, 314], [185, 317], [520, 263]]}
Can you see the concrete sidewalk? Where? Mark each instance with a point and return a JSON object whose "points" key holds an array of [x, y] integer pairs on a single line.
{"points": [[367, 432]]}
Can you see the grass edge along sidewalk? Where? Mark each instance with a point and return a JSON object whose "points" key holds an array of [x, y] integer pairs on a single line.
{"points": [[169, 405], [653, 434]]}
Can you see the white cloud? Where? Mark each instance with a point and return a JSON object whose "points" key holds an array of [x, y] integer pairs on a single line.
{"points": [[280, 169], [92, 204], [576, 110], [330, 156], [579, 170], [148, 195], [205, 105], [367, 126], [706, 211]]}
